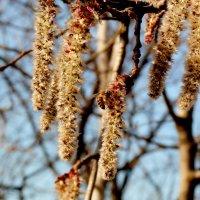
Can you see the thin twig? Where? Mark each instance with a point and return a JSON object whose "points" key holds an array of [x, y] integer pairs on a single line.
{"points": [[15, 66], [107, 46], [169, 106], [21, 55], [9, 49], [61, 32], [84, 160], [160, 145]]}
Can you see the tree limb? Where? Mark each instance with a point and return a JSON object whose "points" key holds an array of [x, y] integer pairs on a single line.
{"points": [[20, 56]]}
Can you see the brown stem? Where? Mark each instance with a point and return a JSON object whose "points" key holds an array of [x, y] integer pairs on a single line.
{"points": [[136, 50], [169, 106]]}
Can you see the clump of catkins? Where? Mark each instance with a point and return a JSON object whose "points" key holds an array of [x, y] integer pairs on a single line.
{"points": [[112, 100], [55, 91]]}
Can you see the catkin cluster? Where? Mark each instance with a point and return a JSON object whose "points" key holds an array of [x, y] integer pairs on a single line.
{"points": [[113, 101], [56, 91], [168, 39], [191, 80]]}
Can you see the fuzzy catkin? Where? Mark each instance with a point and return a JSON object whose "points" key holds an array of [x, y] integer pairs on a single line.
{"points": [[108, 156], [155, 3], [42, 51], [67, 138], [114, 101], [70, 77], [191, 80], [49, 114], [68, 186], [168, 39]]}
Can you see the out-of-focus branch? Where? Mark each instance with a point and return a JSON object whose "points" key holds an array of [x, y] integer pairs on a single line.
{"points": [[84, 160], [15, 66], [119, 49], [157, 186], [9, 49], [19, 57], [10, 24], [10, 187], [24, 53], [103, 49], [116, 191], [131, 164], [169, 106], [87, 111], [162, 146]]}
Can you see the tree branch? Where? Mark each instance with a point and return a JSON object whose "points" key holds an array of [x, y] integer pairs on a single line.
{"points": [[169, 106], [84, 160], [20, 56]]}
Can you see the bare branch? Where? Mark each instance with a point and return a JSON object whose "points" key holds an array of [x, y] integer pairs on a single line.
{"points": [[84, 160], [19, 57], [169, 106]]}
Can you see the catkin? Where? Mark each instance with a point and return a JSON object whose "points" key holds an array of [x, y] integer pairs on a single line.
{"points": [[70, 77], [114, 101], [191, 80], [42, 51], [108, 156], [49, 114], [168, 39]]}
